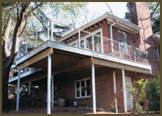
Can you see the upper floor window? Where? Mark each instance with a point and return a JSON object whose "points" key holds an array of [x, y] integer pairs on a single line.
{"points": [[82, 88], [91, 42], [122, 42]]}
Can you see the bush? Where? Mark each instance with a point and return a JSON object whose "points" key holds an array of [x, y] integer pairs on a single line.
{"points": [[153, 95]]}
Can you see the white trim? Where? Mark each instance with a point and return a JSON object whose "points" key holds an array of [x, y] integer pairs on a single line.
{"points": [[116, 103], [124, 91], [80, 88]]}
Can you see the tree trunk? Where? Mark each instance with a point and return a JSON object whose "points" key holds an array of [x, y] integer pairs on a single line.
{"points": [[5, 75]]}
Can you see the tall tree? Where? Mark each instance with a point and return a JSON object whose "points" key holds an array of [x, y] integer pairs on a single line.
{"points": [[19, 20]]}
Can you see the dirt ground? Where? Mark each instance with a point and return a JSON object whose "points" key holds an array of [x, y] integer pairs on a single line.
{"points": [[42, 109], [57, 110]]}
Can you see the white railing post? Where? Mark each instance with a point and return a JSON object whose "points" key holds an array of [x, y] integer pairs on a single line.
{"points": [[120, 49], [102, 50], [48, 28], [134, 56], [36, 40], [79, 37], [93, 48], [51, 30]]}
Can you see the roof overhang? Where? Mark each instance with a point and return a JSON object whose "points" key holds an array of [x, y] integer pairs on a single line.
{"points": [[124, 25]]}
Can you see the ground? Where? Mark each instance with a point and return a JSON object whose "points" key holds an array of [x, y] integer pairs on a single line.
{"points": [[57, 110]]}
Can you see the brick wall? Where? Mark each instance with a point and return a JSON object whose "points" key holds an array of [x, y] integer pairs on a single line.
{"points": [[140, 10]]}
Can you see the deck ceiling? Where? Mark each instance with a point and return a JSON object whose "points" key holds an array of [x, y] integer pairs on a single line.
{"points": [[62, 62]]}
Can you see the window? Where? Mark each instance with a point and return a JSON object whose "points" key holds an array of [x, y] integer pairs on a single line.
{"points": [[89, 43], [82, 88], [157, 53], [86, 42], [122, 42], [97, 42]]}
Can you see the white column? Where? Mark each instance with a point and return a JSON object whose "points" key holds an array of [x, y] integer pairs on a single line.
{"points": [[114, 78], [79, 37], [52, 79], [29, 88], [124, 91], [93, 89], [18, 86], [49, 85]]}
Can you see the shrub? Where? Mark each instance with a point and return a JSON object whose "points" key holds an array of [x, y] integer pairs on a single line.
{"points": [[153, 95]]}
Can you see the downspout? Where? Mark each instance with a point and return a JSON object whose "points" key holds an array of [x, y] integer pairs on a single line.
{"points": [[111, 35]]}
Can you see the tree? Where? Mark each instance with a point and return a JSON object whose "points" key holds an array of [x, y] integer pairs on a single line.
{"points": [[153, 95], [154, 8], [20, 19]]}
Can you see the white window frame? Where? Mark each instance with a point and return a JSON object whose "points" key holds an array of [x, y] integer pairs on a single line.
{"points": [[88, 35], [126, 49], [80, 88]]}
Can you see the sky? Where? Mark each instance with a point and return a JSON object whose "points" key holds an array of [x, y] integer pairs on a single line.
{"points": [[97, 9], [118, 8]]}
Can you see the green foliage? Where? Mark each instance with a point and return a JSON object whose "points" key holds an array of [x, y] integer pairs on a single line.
{"points": [[137, 89], [153, 95]]}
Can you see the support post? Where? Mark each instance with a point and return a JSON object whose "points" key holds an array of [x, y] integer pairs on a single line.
{"points": [[124, 91], [36, 40], [93, 89], [79, 37], [93, 48], [134, 56], [29, 88], [18, 86], [52, 90], [114, 78], [49, 85]]}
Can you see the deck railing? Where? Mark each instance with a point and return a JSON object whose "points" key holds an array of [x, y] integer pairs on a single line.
{"points": [[105, 45]]}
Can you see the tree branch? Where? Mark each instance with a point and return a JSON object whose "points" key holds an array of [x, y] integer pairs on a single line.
{"points": [[10, 6], [27, 18]]}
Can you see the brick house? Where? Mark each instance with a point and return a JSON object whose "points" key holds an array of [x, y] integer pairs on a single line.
{"points": [[91, 63]]}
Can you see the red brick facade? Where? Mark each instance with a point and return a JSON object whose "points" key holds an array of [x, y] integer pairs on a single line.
{"points": [[104, 82]]}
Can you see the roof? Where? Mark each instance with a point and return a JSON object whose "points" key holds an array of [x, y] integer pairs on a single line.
{"points": [[124, 25]]}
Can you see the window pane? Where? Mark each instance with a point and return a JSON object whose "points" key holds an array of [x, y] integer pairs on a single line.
{"points": [[77, 89], [74, 44], [83, 88], [88, 87], [82, 44], [89, 43], [97, 42], [122, 43]]}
